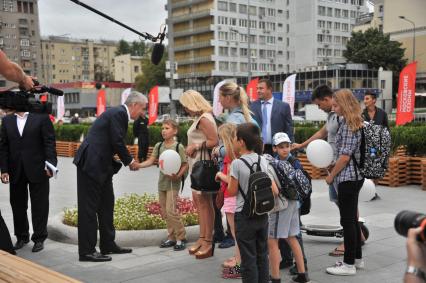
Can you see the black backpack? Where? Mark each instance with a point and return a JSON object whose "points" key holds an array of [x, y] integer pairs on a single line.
{"points": [[177, 150], [259, 199]]}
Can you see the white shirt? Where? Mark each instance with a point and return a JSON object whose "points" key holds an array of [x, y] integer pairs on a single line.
{"points": [[127, 110], [268, 138], [20, 121]]}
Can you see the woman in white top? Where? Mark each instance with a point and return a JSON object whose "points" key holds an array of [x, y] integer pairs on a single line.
{"points": [[203, 130]]}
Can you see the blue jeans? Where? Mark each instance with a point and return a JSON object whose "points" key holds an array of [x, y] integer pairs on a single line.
{"points": [[332, 193]]}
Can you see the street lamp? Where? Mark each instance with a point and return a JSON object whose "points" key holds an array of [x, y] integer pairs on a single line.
{"points": [[414, 35]]}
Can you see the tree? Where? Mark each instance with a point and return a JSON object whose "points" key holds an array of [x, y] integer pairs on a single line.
{"points": [[151, 75], [123, 48], [374, 48], [136, 48]]}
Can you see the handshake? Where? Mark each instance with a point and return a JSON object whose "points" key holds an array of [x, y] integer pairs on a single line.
{"points": [[134, 165]]}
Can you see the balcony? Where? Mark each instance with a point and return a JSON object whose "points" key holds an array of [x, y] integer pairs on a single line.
{"points": [[185, 3], [195, 45], [192, 31], [194, 75], [194, 60], [192, 16]]}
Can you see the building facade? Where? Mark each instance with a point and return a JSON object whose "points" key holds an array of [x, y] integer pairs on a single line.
{"points": [[68, 60], [127, 67], [20, 36], [245, 38]]}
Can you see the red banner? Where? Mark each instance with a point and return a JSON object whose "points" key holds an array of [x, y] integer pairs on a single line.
{"points": [[43, 98], [252, 89], [101, 103], [153, 105], [406, 95]]}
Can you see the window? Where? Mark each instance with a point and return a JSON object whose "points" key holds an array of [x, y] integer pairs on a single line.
{"points": [[242, 9], [254, 66], [337, 52], [233, 22], [242, 23], [321, 24], [345, 27], [222, 20], [344, 40], [337, 39], [243, 67], [243, 52], [345, 14], [253, 53], [234, 52], [337, 13], [288, 41], [270, 39], [321, 10], [381, 11], [233, 36], [262, 54], [271, 54], [262, 39], [382, 84], [232, 7], [287, 14], [223, 35], [320, 38], [329, 25], [243, 37], [271, 12], [353, 14], [234, 66], [329, 12], [26, 53], [223, 66], [253, 24], [337, 26], [223, 51], [252, 10], [222, 6], [252, 38], [262, 11]]}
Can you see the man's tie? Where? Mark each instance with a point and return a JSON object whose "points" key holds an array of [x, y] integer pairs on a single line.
{"points": [[264, 120]]}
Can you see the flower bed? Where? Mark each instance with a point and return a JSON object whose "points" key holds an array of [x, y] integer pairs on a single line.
{"points": [[140, 212]]}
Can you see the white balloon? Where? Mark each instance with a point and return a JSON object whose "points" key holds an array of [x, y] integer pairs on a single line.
{"points": [[320, 153], [169, 162], [368, 190]]}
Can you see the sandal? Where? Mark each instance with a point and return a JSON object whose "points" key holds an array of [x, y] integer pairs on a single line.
{"points": [[230, 262], [337, 252]]}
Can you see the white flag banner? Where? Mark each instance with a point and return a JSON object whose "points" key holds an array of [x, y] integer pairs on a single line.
{"points": [[60, 108], [217, 107], [125, 94], [289, 91]]}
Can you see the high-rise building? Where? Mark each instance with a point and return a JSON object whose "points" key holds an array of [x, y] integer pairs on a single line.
{"points": [[244, 38], [20, 36], [68, 60]]}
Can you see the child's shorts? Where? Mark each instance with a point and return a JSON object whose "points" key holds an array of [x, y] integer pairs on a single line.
{"points": [[229, 204], [284, 223]]}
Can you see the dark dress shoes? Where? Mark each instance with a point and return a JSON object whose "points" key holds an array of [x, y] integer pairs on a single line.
{"points": [[95, 257], [116, 250], [38, 246], [20, 244]]}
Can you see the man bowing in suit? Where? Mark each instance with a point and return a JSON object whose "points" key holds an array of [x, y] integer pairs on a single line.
{"points": [[27, 142], [95, 167], [272, 115]]}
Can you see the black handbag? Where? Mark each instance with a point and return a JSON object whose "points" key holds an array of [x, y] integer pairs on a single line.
{"points": [[204, 172]]}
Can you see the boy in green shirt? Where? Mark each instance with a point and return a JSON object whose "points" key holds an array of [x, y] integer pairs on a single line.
{"points": [[169, 185]]}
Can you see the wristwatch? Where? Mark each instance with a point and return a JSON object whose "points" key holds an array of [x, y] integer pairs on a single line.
{"points": [[416, 271]]}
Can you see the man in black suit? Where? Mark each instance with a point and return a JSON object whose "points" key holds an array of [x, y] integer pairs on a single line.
{"points": [[27, 142], [272, 115], [95, 167], [12, 72]]}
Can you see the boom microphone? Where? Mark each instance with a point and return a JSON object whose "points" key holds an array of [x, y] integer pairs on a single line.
{"points": [[157, 53]]}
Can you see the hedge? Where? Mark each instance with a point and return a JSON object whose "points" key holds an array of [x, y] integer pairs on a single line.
{"points": [[412, 135]]}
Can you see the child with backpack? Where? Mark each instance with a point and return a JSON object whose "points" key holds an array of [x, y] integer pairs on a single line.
{"points": [[254, 190], [284, 224], [169, 185]]}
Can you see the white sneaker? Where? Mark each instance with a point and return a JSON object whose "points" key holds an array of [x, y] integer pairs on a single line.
{"points": [[342, 268], [359, 264]]}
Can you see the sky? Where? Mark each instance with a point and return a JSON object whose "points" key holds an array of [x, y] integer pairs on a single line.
{"points": [[64, 17]]}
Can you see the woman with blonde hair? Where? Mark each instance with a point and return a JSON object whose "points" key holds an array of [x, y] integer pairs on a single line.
{"points": [[348, 179], [203, 130], [234, 98]]}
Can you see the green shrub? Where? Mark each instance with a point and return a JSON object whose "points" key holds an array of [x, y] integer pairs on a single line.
{"points": [[140, 212]]}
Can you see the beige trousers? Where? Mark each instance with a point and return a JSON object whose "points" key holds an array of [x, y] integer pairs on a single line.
{"points": [[175, 228]]}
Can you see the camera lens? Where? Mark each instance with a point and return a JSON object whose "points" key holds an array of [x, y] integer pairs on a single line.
{"points": [[409, 219]]}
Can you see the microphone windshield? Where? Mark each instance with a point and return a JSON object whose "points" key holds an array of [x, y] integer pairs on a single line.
{"points": [[157, 53]]}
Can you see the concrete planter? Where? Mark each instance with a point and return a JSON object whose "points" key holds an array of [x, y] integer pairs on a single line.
{"points": [[141, 238]]}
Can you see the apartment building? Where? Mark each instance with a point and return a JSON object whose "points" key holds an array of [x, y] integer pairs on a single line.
{"points": [[20, 36], [67, 59], [237, 38], [127, 67]]}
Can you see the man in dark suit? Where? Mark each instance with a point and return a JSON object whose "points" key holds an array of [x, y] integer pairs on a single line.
{"points": [[27, 142], [140, 131], [272, 115], [95, 167]]}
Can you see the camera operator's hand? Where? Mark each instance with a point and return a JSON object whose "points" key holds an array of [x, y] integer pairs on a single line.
{"points": [[416, 251], [5, 178], [27, 83]]}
